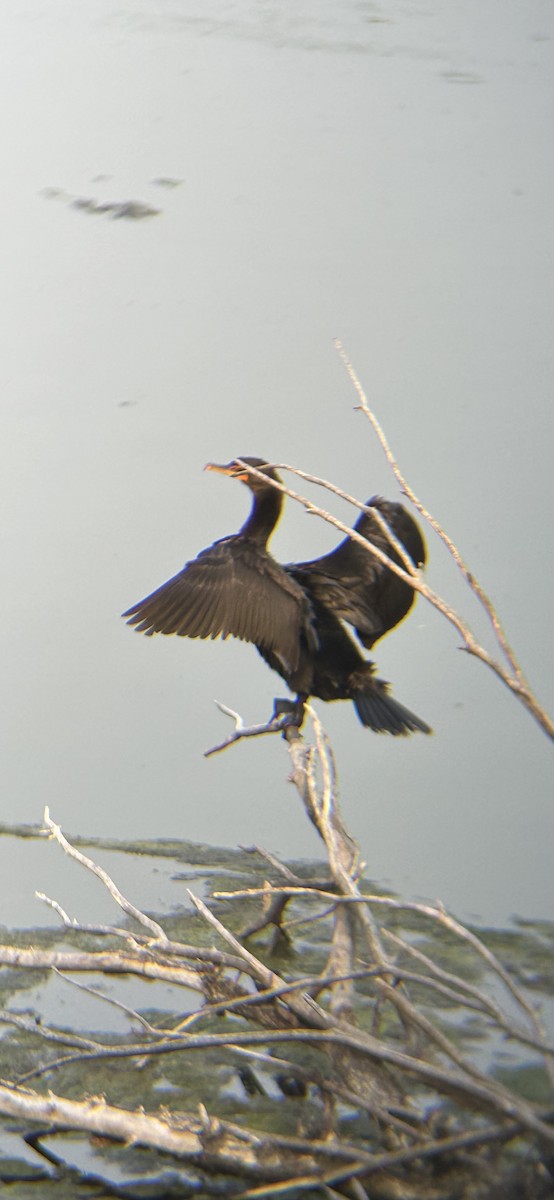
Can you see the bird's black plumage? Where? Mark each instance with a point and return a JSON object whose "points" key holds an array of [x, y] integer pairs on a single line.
{"points": [[293, 614], [355, 584]]}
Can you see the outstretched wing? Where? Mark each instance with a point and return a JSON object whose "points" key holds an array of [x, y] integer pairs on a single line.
{"points": [[231, 589], [356, 585]]}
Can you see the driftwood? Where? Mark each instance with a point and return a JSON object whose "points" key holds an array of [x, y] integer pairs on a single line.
{"points": [[351, 1039]]}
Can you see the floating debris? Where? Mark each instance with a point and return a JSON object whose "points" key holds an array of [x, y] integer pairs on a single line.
{"points": [[166, 182], [131, 210], [461, 77]]}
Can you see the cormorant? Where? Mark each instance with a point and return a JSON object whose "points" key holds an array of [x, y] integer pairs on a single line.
{"points": [[293, 614]]}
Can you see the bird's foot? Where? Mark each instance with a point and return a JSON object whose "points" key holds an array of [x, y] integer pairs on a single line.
{"points": [[291, 712]]}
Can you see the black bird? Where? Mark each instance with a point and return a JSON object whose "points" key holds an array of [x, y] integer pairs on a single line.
{"points": [[293, 614]]}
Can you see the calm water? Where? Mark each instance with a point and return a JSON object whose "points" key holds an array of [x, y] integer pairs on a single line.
{"points": [[381, 172]]}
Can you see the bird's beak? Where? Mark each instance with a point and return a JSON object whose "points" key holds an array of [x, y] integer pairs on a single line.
{"points": [[227, 469], [222, 468]]}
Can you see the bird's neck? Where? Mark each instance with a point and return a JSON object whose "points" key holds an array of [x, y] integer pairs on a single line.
{"points": [[264, 515]]}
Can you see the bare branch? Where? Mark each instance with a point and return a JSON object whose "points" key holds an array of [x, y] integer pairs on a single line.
{"points": [[114, 891], [109, 962], [275, 725]]}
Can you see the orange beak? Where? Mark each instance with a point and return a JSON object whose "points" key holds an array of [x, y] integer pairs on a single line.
{"points": [[228, 469]]}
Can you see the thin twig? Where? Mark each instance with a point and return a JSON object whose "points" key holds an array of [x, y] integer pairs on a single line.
{"points": [[111, 1000], [274, 725], [439, 914], [471, 997], [114, 891], [408, 491]]}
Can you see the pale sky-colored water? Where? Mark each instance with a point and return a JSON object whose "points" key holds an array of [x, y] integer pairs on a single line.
{"points": [[380, 172]]}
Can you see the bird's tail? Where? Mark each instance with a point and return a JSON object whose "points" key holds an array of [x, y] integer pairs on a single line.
{"points": [[378, 710]]}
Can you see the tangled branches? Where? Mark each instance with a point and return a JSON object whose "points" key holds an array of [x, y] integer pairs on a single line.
{"points": [[381, 1087]]}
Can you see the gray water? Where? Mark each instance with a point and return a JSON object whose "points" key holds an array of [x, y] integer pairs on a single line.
{"points": [[378, 172]]}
